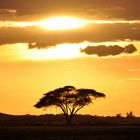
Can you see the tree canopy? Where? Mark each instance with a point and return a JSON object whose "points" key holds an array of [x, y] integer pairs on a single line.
{"points": [[69, 99]]}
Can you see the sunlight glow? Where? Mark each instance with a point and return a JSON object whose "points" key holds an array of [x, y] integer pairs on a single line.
{"points": [[20, 51], [62, 51], [17, 24], [62, 23]]}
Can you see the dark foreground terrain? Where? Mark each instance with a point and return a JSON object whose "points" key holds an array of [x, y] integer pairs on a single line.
{"points": [[70, 133], [84, 127]]}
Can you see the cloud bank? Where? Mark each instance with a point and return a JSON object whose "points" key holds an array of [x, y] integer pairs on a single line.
{"points": [[122, 9], [91, 33], [113, 50]]}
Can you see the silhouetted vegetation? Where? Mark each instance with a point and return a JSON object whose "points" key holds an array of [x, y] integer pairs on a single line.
{"points": [[58, 120], [130, 114], [69, 99], [52, 127]]}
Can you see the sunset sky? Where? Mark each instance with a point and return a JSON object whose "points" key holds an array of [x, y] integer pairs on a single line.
{"points": [[47, 44]]}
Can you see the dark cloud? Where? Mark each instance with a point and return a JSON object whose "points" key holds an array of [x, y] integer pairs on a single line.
{"points": [[91, 33], [126, 9], [113, 50], [40, 45]]}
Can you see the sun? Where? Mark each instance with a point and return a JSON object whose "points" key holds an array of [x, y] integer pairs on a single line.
{"points": [[62, 23]]}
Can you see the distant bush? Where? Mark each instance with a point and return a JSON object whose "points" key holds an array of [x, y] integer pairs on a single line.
{"points": [[119, 115], [130, 114]]}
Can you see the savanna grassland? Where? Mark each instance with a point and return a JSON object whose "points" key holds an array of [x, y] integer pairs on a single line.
{"points": [[84, 127]]}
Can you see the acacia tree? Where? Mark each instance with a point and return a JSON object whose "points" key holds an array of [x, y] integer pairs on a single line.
{"points": [[69, 99]]}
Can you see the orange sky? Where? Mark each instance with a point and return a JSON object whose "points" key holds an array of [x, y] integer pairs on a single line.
{"points": [[24, 82], [87, 44]]}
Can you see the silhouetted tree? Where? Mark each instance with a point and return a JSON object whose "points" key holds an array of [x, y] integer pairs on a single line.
{"points": [[119, 115], [69, 99], [130, 114]]}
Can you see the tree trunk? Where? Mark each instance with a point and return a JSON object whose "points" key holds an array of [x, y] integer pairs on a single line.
{"points": [[69, 120]]}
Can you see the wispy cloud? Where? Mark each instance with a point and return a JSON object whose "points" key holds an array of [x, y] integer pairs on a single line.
{"points": [[134, 70], [130, 80], [113, 21], [22, 24], [7, 11]]}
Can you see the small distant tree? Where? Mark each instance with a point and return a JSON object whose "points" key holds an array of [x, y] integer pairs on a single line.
{"points": [[119, 115], [130, 114], [69, 99]]}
